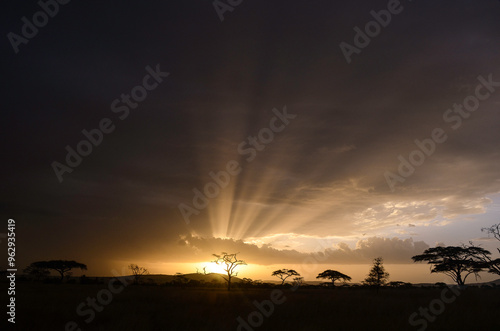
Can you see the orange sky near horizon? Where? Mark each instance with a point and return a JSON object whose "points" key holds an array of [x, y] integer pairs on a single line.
{"points": [[412, 273]]}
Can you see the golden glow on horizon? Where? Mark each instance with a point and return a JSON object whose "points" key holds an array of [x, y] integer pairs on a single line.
{"points": [[413, 273]]}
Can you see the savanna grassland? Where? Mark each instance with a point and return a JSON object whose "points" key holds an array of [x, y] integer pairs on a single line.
{"points": [[141, 307]]}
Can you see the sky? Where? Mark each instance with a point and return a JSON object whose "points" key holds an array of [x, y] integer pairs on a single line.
{"points": [[279, 132]]}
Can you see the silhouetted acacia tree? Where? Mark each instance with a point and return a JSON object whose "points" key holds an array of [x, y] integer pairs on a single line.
{"points": [[61, 266], [377, 276], [138, 272], [230, 263], [494, 230], [333, 275], [283, 274], [493, 265], [298, 280], [36, 273], [457, 262]]}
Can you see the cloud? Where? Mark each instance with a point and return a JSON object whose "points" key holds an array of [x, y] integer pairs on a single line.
{"points": [[393, 250], [322, 176], [336, 150]]}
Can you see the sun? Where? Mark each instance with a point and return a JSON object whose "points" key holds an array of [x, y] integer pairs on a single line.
{"points": [[216, 268]]}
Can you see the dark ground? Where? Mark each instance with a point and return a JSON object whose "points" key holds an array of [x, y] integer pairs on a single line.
{"points": [[52, 306]]}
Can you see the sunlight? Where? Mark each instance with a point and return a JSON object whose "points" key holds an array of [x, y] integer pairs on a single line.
{"points": [[215, 268], [219, 269]]}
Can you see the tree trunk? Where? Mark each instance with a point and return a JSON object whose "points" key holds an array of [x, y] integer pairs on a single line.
{"points": [[229, 283]]}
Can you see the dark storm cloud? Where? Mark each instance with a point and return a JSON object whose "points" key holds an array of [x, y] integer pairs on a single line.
{"points": [[324, 173]]}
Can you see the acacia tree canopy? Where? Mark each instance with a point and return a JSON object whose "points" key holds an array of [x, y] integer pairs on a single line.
{"points": [[137, 272], [283, 274], [36, 273], [457, 262], [61, 266], [333, 275]]}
